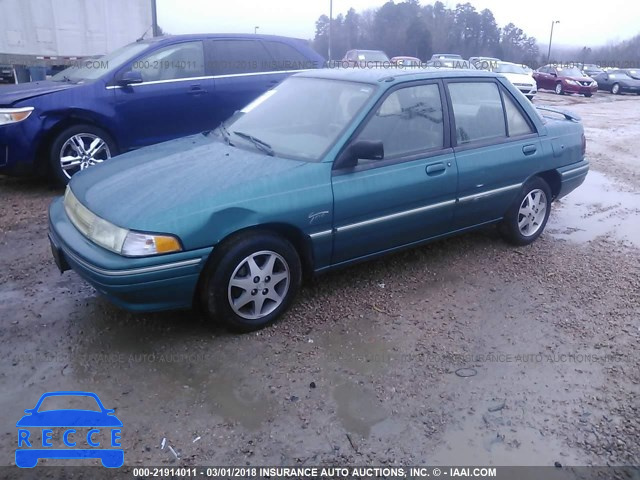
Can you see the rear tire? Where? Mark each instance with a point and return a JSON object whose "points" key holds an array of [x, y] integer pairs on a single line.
{"points": [[525, 220], [230, 292], [615, 89], [75, 145]]}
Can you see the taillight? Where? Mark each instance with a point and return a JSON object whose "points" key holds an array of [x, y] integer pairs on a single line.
{"points": [[584, 145]]}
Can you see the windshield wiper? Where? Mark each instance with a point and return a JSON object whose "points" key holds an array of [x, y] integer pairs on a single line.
{"points": [[225, 134], [259, 144]]}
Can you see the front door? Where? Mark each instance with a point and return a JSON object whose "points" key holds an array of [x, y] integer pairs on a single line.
{"points": [[407, 196], [173, 100]]}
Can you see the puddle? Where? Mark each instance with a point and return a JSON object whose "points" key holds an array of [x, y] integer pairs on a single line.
{"points": [[474, 444], [598, 208], [359, 410], [366, 350]]}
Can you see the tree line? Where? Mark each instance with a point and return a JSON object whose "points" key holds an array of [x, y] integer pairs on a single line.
{"points": [[409, 28]]}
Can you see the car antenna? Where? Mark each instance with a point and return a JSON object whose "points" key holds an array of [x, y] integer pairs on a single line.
{"points": [[145, 32]]}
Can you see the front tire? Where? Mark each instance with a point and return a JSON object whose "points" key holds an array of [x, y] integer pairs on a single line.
{"points": [[588, 95], [526, 218], [79, 147], [559, 89], [251, 281]]}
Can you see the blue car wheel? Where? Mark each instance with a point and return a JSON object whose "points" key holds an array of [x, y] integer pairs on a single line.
{"points": [[79, 147]]}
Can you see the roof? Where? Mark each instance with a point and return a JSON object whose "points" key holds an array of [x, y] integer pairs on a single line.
{"points": [[392, 75], [199, 36]]}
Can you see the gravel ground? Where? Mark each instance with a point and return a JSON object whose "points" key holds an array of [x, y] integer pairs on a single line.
{"points": [[465, 351]]}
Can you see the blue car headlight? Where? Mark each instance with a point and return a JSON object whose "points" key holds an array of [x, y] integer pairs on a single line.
{"points": [[117, 239], [14, 115]]}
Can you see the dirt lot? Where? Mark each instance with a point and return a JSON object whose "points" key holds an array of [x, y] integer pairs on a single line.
{"points": [[369, 366]]}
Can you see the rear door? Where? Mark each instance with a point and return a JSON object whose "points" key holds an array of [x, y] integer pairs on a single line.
{"points": [[409, 195], [496, 147], [173, 99]]}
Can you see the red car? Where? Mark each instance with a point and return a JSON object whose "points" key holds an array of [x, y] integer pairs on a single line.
{"points": [[564, 80]]}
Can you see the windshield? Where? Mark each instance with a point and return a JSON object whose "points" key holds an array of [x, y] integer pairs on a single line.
{"points": [[619, 74], [372, 56], [69, 402], [301, 118], [570, 72], [510, 68], [90, 69]]}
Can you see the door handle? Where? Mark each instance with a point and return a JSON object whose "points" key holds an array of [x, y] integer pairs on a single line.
{"points": [[197, 90], [529, 149], [436, 168]]}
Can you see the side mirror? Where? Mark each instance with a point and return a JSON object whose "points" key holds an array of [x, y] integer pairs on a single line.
{"points": [[130, 78], [362, 149], [554, 74]]}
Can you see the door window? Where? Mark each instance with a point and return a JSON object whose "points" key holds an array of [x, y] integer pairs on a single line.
{"points": [[184, 60], [285, 57], [409, 121], [478, 112], [239, 56]]}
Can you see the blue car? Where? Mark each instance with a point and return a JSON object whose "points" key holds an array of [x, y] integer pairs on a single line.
{"points": [[28, 452], [144, 93]]}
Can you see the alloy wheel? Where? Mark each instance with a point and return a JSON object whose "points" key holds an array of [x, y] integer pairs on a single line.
{"points": [[259, 285], [532, 212], [81, 151]]}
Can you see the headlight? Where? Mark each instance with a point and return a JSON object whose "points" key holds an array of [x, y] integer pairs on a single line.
{"points": [[571, 82], [114, 238], [14, 115]]}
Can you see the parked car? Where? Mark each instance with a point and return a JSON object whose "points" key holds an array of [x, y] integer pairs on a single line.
{"points": [[446, 56], [618, 82], [406, 62], [365, 59], [331, 167], [6, 74], [633, 72], [484, 63], [518, 76], [591, 70], [451, 63], [564, 80], [144, 93]]}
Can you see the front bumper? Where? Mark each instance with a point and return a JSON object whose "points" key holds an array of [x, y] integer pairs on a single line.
{"points": [[528, 90], [162, 282], [579, 89], [18, 144]]}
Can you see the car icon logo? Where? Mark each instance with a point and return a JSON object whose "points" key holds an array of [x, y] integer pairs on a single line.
{"points": [[69, 433]]}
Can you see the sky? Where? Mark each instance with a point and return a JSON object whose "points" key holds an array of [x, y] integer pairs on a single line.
{"points": [[582, 23]]}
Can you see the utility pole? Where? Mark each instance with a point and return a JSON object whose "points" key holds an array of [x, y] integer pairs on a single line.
{"points": [[255, 29], [330, 25], [154, 19], [553, 22]]}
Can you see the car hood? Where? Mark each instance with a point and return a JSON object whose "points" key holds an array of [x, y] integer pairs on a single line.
{"points": [[69, 418], [157, 187], [578, 79], [519, 78], [11, 94]]}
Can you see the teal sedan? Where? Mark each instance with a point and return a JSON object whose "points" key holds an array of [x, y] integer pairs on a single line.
{"points": [[329, 168]]}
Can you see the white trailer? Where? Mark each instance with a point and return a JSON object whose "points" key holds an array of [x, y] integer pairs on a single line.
{"points": [[46, 33]]}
